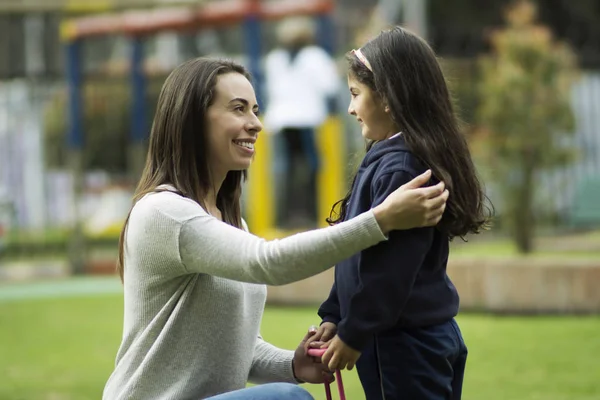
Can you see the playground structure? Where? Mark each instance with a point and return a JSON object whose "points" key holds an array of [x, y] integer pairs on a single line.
{"points": [[138, 25]]}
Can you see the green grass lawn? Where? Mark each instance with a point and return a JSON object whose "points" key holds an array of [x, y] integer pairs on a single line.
{"points": [[64, 349], [581, 246]]}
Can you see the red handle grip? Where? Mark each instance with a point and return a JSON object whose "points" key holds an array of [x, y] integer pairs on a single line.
{"points": [[316, 352], [338, 376]]}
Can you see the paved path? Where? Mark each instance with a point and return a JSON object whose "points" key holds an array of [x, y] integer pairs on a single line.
{"points": [[69, 287]]}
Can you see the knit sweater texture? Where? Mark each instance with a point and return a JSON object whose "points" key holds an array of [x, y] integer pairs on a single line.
{"points": [[194, 295]]}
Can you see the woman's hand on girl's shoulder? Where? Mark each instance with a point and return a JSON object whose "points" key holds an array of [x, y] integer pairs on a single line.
{"points": [[412, 206]]}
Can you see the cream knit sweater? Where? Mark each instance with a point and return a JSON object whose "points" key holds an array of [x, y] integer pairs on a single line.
{"points": [[194, 298]]}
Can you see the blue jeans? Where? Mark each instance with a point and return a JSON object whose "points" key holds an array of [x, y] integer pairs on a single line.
{"points": [[270, 391]]}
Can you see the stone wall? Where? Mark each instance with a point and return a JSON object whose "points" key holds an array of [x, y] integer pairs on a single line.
{"points": [[504, 285]]}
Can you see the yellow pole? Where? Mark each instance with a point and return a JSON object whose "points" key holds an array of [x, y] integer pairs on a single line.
{"points": [[260, 202], [331, 179]]}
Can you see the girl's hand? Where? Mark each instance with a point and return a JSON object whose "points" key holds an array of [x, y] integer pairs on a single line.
{"points": [[323, 333], [339, 355], [412, 206]]}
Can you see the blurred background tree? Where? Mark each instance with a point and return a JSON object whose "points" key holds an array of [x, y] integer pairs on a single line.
{"points": [[524, 112]]}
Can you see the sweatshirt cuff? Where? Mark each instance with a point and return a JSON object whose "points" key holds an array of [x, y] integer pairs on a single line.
{"points": [[330, 318], [355, 340]]}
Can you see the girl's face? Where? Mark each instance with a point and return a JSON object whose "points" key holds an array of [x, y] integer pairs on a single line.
{"points": [[370, 111], [232, 125]]}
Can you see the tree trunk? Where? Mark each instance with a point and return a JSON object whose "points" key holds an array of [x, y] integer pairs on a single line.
{"points": [[524, 220], [77, 249], [136, 160]]}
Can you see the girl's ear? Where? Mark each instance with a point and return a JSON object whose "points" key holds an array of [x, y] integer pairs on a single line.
{"points": [[386, 106]]}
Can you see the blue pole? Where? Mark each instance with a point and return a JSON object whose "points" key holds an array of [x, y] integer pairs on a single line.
{"points": [[253, 47], [75, 139], [326, 39], [326, 32], [75, 115], [138, 92]]}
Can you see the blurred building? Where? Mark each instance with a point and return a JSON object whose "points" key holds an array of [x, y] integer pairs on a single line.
{"points": [[32, 73], [32, 68]]}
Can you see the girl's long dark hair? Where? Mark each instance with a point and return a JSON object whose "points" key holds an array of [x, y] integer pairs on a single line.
{"points": [[407, 76], [177, 151]]}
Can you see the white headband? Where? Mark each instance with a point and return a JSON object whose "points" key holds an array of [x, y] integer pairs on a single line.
{"points": [[362, 58]]}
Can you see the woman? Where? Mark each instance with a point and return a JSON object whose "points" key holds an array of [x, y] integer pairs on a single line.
{"points": [[194, 278]]}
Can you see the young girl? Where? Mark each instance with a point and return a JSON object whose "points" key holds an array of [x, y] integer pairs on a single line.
{"points": [[194, 278], [400, 321]]}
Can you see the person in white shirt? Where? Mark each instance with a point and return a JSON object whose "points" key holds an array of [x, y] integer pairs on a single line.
{"points": [[301, 82], [194, 278]]}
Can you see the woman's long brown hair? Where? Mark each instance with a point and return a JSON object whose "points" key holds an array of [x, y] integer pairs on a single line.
{"points": [[177, 150]]}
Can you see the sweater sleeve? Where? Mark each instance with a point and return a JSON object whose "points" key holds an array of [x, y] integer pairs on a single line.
{"points": [[271, 364], [209, 246], [387, 273]]}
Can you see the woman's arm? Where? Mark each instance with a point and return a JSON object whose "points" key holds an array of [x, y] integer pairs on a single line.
{"points": [[271, 364], [211, 247], [206, 245]]}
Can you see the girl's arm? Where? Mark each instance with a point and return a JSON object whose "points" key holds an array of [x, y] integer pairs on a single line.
{"points": [[387, 273], [330, 309]]}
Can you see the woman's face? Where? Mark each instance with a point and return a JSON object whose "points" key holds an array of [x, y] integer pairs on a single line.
{"points": [[232, 124], [369, 110]]}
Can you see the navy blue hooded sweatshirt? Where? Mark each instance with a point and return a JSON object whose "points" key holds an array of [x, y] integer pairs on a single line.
{"points": [[396, 284]]}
